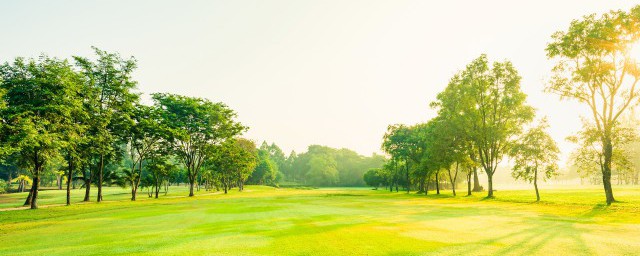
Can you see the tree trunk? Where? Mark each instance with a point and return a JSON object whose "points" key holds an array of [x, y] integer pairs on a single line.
{"points": [[453, 179], [469, 182], [606, 171], [437, 184], [28, 201], [100, 172], [191, 187], [476, 181], [157, 187], [407, 173], [87, 184], [134, 191], [535, 183], [490, 181], [34, 196], [69, 180]]}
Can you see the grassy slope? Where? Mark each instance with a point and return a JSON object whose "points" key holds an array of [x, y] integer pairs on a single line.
{"points": [[264, 220]]}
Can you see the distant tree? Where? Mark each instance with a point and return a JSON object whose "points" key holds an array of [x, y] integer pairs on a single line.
{"points": [[41, 96], [596, 67], [535, 152], [375, 177], [322, 170], [265, 171]]}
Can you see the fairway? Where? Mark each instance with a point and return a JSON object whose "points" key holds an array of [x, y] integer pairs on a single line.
{"points": [[332, 221]]}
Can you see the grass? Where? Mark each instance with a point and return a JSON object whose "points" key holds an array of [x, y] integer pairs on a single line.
{"points": [[328, 221]]}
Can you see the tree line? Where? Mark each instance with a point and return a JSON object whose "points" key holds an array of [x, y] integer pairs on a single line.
{"points": [[483, 114], [84, 114], [81, 122]]}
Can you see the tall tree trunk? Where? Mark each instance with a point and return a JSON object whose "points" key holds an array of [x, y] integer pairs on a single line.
{"points": [[535, 183], [407, 174], [469, 182], [476, 181], [490, 181], [157, 187], [87, 184], [191, 181], [36, 183], [453, 179], [100, 172], [606, 171], [134, 192], [69, 179], [34, 196], [437, 184]]}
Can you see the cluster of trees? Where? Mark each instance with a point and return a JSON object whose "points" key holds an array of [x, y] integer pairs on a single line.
{"points": [[481, 115], [482, 112], [319, 166], [84, 124]]}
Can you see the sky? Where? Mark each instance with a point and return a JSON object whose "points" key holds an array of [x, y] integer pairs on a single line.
{"points": [[298, 72]]}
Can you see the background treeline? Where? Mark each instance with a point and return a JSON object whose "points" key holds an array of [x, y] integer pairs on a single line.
{"points": [[319, 166], [80, 122]]}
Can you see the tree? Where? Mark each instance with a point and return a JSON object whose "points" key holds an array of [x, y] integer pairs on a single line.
{"points": [[147, 137], [41, 96], [160, 168], [245, 161], [589, 158], [234, 162], [195, 126], [535, 151], [374, 177], [493, 107], [596, 67], [322, 170], [110, 100], [397, 143], [265, 170]]}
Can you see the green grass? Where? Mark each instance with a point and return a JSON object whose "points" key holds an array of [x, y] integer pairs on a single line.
{"points": [[328, 221]]}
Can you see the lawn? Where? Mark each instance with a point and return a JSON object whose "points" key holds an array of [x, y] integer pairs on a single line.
{"points": [[331, 221]]}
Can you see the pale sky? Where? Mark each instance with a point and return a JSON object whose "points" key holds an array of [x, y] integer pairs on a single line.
{"points": [[300, 72]]}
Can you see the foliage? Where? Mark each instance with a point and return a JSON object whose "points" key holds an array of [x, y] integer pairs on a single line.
{"points": [[375, 177], [535, 152], [195, 126], [41, 96], [595, 67]]}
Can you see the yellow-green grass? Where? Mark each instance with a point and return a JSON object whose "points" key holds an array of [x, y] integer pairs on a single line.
{"points": [[331, 221]]}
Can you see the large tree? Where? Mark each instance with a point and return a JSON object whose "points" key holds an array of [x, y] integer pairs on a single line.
{"points": [[596, 67], [41, 96], [196, 125], [493, 107]]}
